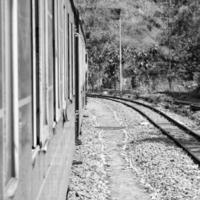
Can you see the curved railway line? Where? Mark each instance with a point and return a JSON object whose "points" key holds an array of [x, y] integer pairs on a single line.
{"points": [[181, 135]]}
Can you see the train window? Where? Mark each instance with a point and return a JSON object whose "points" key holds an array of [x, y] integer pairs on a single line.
{"points": [[65, 53], [50, 61], [41, 72], [1, 100], [1, 74], [69, 56], [45, 63], [9, 173], [35, 73], [59, 54], [55, 91], [72, 59], [8, 112], [50, 6], [10, 102], [56, 53], [62, 54], [86, 58], [9, 131], [1, 78]]}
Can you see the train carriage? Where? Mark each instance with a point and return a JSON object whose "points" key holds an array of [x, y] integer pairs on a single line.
{"points": [[42, 48]]}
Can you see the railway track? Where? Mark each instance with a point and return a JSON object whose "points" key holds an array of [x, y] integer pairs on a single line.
{"points": [[181, 135], [193, 106]]}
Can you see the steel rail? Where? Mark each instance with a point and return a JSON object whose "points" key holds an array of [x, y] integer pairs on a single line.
{"points": [[180, 125], [184, 128]]}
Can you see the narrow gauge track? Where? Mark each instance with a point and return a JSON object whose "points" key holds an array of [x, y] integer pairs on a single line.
{"points": [[193, 106], [180, 134]]}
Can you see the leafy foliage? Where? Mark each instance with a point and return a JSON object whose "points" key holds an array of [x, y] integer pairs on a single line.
{"points": [[160, 39]]}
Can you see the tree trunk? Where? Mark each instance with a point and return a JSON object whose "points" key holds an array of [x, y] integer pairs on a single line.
{"points": [[170, 83]]}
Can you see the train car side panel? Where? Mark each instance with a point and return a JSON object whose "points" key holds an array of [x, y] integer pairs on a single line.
{"points": [[1, 99], [37, 88], [16, 101], [24, 93], [53, 160], [50, 62]]}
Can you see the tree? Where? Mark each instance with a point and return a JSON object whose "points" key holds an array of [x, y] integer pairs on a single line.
{"points": [[160, 39]]}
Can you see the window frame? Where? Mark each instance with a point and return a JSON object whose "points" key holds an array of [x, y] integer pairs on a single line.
{"points": [[55, 36], [65, 54], [11, 112], [35, 94], [46, 62], [57, 102], [40, 94], [62, 54], [69, 55], [58, 56], [72, 60]]}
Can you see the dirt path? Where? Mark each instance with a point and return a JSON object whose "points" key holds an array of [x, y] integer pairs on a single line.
{"points": [[123, 183]]}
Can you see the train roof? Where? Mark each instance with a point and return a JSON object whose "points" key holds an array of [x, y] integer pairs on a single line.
{"points": [[78, 18], [76, 12]]}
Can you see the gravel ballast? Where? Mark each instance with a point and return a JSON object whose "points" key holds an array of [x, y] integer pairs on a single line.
{"points": [[89, 179], [164, 170]]}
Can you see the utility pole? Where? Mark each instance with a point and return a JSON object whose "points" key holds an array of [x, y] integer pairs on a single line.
{"points": [[120, 55], [170, 54], [116, 15]]}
